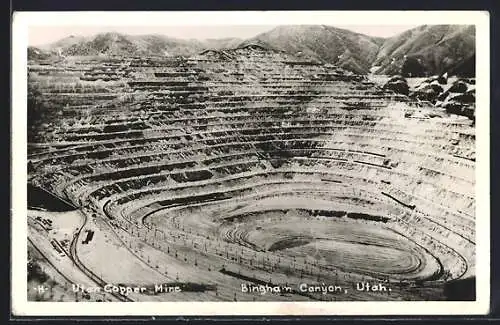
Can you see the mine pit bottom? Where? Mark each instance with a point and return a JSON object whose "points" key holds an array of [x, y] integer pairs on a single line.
{"points": [[358, 246]]}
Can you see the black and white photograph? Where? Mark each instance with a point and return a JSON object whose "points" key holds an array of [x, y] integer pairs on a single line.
{"points": [[283, 163]]}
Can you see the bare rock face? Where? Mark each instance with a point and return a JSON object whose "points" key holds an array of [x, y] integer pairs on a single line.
{"points": [[454, 107], [461, 92], [458, 87], [466, 98], [398, 85], [441, 79], [429, 90], [457, 97]]}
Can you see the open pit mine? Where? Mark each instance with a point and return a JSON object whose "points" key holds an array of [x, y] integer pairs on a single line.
{"points": [[242, 175]]}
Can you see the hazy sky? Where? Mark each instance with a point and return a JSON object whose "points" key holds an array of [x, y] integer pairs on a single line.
{"points": [[48, 34]]}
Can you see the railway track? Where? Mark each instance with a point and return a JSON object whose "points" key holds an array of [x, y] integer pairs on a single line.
{"points": [[73, 255], [78, 263]]}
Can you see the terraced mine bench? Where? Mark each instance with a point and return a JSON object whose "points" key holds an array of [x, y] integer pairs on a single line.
{"points": [[250, 163]]}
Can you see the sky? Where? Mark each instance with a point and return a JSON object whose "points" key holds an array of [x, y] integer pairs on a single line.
{"points": [[48, 34]]}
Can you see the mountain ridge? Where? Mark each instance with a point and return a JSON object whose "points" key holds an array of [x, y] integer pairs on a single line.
{"points": [[420, 51]]}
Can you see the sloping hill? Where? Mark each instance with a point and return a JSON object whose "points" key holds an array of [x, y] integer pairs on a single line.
{"points": [[35, 53], [421, 51], [347, 49], [426, 50], [133, 45], [65, 42], [465, 68], [125, 45], [222, 43]]}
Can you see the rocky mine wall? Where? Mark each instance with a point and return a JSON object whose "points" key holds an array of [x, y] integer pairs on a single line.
{"points": [[456, 95], [197, 143]]}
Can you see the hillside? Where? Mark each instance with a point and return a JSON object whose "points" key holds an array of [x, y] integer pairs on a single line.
{"points": [[349, 50], [222, 43], [426, 50], [132, 45], [421, 51], [124, 45], [35, 53], [465, 68]]}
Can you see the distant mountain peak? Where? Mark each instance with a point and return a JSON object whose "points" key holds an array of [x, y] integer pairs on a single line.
{"points": [[322, 43], [424, 50]]}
